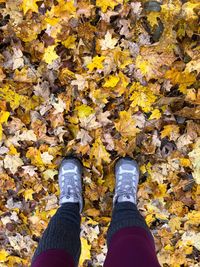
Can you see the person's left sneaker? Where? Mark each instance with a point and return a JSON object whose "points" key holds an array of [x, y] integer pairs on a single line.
{"points": [[70, 174]]}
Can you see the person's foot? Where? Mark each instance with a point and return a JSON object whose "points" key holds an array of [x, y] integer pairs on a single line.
{"points": [[70, 184], [127, 177]]}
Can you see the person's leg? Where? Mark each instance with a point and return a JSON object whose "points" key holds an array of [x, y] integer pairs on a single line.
{"points": [[60, 244], [130, 242]]}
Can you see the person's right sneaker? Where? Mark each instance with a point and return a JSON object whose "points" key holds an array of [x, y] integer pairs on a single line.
{"points": [[127, 177]]}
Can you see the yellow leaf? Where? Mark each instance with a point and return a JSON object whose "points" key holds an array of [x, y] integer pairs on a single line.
{"points": [[50, 54], [183, 79], [63, 9], [111, 81], [29, 5], [188, 10], [96, 63], [160, 191], [52, 21], [150, 62], [185, 162], [13, 260], [35, 156], [28, 194], [122, 58], [142, 96], [70, 42], [126, 125], [49, 174], [10, 96], [155, 114], [13, 150], [105, 4], [3, 255], [85, 251], [175, 223], [170, 131], [4, 115], [152, 18], [99, 152], [84, 111], [149, 219], [169, 248], [193, 217]]}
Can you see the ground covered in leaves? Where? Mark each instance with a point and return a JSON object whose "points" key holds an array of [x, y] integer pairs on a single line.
{"points": [[100, 79]]}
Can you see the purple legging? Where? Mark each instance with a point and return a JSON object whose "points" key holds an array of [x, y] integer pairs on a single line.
{"points": [[129, 247]]}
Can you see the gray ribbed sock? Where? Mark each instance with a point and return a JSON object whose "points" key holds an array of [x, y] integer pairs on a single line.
{"points": [[125, 214], [63, 232]]}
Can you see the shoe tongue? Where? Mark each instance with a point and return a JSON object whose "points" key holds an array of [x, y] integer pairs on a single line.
{"points": [[125, 198]]}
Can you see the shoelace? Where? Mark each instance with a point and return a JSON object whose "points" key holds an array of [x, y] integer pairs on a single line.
{"points": [[127, 187], [67, 190]]}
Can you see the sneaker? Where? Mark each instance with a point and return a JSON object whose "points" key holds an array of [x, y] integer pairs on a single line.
{"points": [[70, 184], [127, 177]]}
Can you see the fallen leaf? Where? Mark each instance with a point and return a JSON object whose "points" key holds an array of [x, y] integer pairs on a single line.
{"points": [[126, 125], [12, 163], [85, 251], [99, 152]]}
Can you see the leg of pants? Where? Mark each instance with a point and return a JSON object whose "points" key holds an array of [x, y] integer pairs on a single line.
{"points": [[60, 244], [130, 242]]}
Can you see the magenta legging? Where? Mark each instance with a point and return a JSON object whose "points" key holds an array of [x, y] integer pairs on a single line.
{"points": [[129, 247]]}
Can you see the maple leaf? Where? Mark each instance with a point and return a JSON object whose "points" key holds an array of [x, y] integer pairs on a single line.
{"points": [[85, 251], [126, 125], [29, 5], [155, 114], [46, 158], [188, 10], [64, 9], [149, 61], [90, 122], [104, 4], [195, 159], [70, 42], [50, 54], [3, 255], [111, 81], [142, 96], [28, 194], [49, 174], [84, 111], [12, 163], [97, 62], [103, 118], [84, 137], [4, 115], [183, 79], [10, 96], [80, 81], [108, 42], [152, 18], [99, 152], [171, 131], [35, 156]]}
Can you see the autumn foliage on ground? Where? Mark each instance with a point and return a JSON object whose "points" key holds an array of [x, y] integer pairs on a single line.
{"points": [[100, 79]]}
